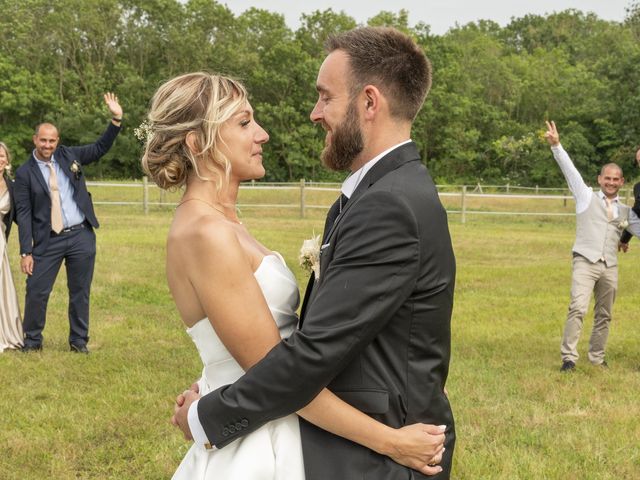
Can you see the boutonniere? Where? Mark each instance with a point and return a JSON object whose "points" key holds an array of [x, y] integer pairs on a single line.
{"points": [[75, 169], [7, 168], [310, 255], [623, 224]]}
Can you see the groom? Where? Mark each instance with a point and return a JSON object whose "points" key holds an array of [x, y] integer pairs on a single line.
{"points": [[376, 323]]}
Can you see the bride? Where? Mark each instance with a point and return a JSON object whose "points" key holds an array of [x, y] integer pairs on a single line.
{"points": [[236, 296]]}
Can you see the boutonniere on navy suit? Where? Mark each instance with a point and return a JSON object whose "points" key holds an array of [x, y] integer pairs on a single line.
{"points": [[76, 169]]}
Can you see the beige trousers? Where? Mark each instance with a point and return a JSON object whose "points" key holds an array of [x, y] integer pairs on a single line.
{"points": [[589, 277]]}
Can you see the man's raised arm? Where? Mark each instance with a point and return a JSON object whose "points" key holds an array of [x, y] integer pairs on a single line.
{"points": [[580, 190]]}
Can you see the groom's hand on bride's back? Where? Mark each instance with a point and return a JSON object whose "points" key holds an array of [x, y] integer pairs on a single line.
{"points": [[181, 409]]}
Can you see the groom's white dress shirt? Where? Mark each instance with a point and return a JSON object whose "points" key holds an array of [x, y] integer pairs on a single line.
{"points": [[583, 193], [348, 187]]}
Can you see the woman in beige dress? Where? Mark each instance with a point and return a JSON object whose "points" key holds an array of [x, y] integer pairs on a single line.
{"points": [[10, 323]]}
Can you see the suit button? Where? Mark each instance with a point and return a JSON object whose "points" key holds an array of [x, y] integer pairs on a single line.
{"points": [[232, 429], [225, 432], [245, 422], [238, 426]]}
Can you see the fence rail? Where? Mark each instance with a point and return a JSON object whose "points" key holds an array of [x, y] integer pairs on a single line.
{"points": [[458, 199]]}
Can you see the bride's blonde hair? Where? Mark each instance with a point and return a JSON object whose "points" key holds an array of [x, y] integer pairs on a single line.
{"points": [[195, 102]]}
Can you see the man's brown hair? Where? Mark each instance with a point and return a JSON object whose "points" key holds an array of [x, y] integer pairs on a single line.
{"points": [[391, 61]]}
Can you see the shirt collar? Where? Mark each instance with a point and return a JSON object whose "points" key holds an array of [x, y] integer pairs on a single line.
{"points": [[603, 197], [42, 162], [352, 181]]}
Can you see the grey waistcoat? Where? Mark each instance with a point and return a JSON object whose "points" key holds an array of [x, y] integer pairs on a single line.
{"points": [[596, 236]]}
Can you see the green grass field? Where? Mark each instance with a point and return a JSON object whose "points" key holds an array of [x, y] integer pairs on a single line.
{"points": [[106, 415]]}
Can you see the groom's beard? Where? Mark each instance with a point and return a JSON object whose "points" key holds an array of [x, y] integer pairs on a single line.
{"points": [[346, 142]]}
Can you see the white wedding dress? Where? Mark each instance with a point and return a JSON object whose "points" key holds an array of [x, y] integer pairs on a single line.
{"points": [[274, 451]]}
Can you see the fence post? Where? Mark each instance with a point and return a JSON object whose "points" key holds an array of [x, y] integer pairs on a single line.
{"points": [[463, 213], [537, 190], [145, 194], [508, 186], [564, 197], [626, 200], [302, 198]]}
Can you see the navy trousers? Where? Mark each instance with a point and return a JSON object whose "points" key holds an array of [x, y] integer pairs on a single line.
{"points": [[78, 251]]}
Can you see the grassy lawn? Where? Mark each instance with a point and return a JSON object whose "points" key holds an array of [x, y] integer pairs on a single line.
{"points": [[106, 415]]}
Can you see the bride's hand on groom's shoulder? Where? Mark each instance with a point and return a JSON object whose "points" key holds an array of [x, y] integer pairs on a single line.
{"points": [[420, 447], [181, 409]]}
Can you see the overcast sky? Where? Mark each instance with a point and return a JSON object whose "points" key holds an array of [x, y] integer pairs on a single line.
{"points": [[439, 14]]}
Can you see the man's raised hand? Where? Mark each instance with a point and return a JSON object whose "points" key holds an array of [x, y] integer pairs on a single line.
{"points": [[111, 99], [552, 135]]}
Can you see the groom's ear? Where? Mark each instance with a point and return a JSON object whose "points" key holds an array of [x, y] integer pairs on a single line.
{"points": [[192, 143]]}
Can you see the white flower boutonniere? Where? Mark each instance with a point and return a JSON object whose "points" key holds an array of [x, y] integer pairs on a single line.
{"points": [[623, 224], [75, 169], [310, 255]]}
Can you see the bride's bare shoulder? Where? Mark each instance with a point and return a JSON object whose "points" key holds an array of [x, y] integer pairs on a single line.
{"points": [[209, 234]]}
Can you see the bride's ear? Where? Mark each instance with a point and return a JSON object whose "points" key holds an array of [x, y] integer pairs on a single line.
{"points": [[192, 143]]}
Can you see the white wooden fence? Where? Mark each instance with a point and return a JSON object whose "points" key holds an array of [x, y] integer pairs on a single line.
{"points": [[464, 193]]}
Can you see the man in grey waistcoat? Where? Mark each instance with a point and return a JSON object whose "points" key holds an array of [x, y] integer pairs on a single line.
{"points": [[600, 219]]}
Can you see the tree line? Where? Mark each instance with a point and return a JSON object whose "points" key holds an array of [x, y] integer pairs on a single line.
{"points": [[493, 86]]}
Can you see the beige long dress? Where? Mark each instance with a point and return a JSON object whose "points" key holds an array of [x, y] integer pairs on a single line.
{"points": [[10, 323]]}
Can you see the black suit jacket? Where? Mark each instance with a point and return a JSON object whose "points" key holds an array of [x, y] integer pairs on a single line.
{"points": [[10, 217], [376, 330], [32, 198], [626, 236]]}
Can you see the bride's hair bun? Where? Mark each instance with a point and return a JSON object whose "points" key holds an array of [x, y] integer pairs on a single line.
{"points": [[197, 103]]}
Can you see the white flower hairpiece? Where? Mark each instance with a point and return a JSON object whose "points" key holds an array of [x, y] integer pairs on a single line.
{"points": [[310, 255], [144, 132]]}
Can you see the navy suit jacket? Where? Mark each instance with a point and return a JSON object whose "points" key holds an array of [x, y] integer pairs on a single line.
{"points": [[10, 217], [376, 329], [32, 197]]}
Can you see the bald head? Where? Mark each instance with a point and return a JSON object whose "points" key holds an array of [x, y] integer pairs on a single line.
{"points": [[614, 167], [638, 157], [47, 126]]}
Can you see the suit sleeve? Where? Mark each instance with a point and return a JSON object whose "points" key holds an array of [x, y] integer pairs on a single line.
{"points": [[626, 235], [90, 153], [372, 272], [22, 200]]}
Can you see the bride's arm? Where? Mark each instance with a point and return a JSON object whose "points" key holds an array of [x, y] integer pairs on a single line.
{"points": [[222, 277], [414, 446]]}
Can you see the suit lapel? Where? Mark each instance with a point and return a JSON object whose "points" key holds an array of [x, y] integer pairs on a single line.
{"points": [[331, 216], [36, 172], [65, 167], [394, 159]]}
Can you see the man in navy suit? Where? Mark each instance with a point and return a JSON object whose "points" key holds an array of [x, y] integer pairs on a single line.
{"points": [[56, 221]]}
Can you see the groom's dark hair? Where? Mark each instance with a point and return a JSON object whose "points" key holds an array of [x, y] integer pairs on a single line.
{"points": [[391, 61]]}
